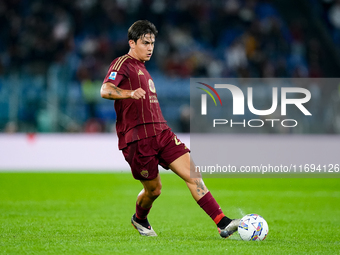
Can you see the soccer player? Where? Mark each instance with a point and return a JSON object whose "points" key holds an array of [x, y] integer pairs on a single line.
{"points": [[144, 137]]}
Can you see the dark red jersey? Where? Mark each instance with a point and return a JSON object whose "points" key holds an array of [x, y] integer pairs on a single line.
{"points": [[136, 119]]}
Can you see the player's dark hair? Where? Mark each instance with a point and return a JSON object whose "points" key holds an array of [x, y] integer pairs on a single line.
{"points": [[140, 28]]}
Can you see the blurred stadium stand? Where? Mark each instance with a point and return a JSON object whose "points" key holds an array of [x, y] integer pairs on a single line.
{"points": [[54, 54]]}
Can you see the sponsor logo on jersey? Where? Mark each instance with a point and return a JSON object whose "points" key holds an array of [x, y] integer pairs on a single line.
{"points": [[113, 76], [152, 86], [153, 99], [140, 72]]}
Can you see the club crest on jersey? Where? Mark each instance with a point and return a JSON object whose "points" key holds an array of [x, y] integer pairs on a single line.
{"points": [[144, 173], [113, 75], [152, 86]]}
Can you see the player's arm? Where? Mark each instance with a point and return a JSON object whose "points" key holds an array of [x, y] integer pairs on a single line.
{"points": [[112, 92]]}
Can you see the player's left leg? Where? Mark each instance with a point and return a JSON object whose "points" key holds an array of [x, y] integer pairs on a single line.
{"points": [[181, 166]]}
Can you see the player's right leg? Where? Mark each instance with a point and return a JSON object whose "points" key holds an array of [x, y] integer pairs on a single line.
{"points": [[144, 167], [150, 192], [152, 189]]}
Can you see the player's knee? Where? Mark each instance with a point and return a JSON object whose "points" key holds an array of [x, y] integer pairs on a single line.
{"points": [[155, 192]]}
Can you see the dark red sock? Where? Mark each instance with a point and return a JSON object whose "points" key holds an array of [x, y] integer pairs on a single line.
{"points": [[211, 207], [142, 213]]}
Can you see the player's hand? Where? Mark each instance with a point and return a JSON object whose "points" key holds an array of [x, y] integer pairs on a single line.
{"points": [[138, 94]]}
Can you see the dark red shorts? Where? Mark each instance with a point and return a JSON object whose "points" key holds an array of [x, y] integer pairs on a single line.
{"points": [[145, 155]]}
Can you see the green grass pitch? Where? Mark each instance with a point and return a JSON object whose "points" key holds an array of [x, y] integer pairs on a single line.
{"points": [[83, 213]]}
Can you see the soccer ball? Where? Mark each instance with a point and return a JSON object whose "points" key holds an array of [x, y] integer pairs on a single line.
{"points": [[253, 227]]}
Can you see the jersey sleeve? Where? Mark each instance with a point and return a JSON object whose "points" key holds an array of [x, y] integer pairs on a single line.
{"points": [[117, 71]]}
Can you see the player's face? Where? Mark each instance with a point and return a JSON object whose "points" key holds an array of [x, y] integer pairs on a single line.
{"points": [[143, 48]]}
